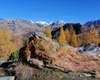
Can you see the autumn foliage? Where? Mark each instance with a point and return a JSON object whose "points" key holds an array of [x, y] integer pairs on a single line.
{"points": [[90, 36], [62, 37], [67, 34], [73, 39], [87, 35], [6, 45], [48, 32]]}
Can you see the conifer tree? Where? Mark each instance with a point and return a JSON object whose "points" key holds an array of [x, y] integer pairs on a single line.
{"points": [[48, 32], [67, 33], [96, 39], [6, 45], [79, 41], [94, 35], [62, 37], [70, 29], [90, 36], [83, 29], [73, 39]]}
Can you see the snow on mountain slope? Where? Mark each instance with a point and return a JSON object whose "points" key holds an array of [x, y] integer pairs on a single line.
{"points": [[52, 23], [58, 23], [42, 23]]}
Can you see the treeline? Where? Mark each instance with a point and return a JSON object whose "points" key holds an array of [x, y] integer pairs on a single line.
{"points": [[68, 36], [10, 42]]}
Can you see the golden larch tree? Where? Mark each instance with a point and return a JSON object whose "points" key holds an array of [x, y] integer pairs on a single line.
{"points": [[62, 37], [96, 39], [79, 41], [67, 33], [83, 29], [91, 33], [18, 40], [90, 36], [48, 32], [73, 39], [94, 35], [70, 29], [6, 45]]}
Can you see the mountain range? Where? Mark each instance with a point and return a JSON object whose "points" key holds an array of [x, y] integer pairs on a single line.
{"points": [[62, 23], [19, 26], [93, 22], [52, 23]]}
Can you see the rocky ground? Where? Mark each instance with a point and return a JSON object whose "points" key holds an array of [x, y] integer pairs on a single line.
{"points": [[54, 74], [43, 59], [24, 72]]}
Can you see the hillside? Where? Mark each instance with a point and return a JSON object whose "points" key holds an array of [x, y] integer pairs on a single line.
{"points": [[18, 26]]}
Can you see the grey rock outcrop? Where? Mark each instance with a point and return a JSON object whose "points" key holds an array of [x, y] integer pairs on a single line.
{"points": [[90, 48]]}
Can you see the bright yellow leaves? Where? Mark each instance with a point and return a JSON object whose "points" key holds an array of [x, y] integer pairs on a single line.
{"points": [[48, 32], [6, 45], [62, 37]]}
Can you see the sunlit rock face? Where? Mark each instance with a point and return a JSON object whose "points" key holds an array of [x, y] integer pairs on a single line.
{"points": [[44, 49]]}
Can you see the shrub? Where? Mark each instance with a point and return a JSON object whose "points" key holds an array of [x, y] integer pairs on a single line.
{"points": [[14, 55], [1, 56]]}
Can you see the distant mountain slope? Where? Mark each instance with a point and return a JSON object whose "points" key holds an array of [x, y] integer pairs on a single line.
{"points": [[95, 23], [58, 23], [18, 26]]}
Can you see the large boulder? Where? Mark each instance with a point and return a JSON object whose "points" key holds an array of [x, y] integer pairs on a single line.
{"points": [[45, 50], [39, 46]]}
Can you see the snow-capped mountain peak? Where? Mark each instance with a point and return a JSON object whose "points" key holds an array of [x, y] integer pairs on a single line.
{"points": [[42, 23], [31, 21], [52, 23], [60, 22]]}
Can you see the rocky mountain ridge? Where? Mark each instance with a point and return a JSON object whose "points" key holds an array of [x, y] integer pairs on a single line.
{"points": [[93, 22]]}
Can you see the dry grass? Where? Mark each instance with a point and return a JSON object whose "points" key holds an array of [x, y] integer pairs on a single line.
{"points": [[24, 72]]}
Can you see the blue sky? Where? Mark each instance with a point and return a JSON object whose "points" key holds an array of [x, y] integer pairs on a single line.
{"points": [[51, 10]]}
